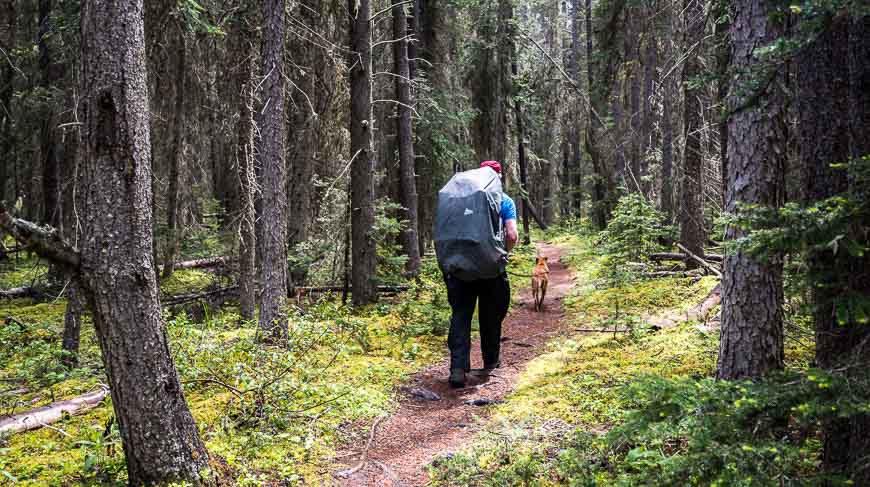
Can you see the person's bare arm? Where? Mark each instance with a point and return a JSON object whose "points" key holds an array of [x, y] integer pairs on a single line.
{"points": [[511, 235]]}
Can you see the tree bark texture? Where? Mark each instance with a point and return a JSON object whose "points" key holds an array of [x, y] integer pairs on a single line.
{"points": [[246, 181], [7, 37], [177, 161], [752, 338], [632, 53], [650, 79], [600, 185], [272, 235], [667, 192], [160, 438], [72, 324], [723, 61], [306, 136], [51, 178], [692, 233], [826, 88], [404, 129], [364, 251]]}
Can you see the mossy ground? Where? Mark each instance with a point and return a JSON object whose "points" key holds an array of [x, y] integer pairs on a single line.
{"points": [[568, 398], [299, 402]]}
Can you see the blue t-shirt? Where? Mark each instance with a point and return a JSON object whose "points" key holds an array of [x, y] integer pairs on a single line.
{"points": [[508, 208]]}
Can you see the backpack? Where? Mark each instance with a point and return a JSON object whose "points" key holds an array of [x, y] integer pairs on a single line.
{"points": [[469, 237]]}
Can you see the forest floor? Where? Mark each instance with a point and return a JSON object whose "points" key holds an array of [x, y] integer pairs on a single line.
{"points": [[354, 375], [405, 443]]}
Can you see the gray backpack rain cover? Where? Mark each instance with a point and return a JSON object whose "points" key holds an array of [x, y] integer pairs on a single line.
{"points": [[469, 238]]}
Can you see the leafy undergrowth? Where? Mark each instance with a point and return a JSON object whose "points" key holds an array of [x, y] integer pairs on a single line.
{"points": [[640, 407], [276, 414]]}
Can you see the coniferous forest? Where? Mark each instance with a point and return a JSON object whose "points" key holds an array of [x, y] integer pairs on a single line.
{"points": [[218, 224]]}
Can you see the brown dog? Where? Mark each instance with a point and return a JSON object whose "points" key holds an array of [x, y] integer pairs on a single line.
{"points": [[540, 279]]}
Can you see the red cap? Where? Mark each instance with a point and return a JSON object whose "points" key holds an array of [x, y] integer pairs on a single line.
{"points": [[493, 164]]}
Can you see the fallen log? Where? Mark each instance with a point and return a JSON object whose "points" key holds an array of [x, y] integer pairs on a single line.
{"points": [[16, 292], [177, 299], [670, 274], [199, 263], [335, 289], [683, 257], [700, 261], [52, 413]]}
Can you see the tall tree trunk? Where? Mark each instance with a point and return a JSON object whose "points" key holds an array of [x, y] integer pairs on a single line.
{"points": [[859, 146], [692, 234], [272, 233], [177, 154], [618, 132], [364, 251], [752, 338], [51, 187], [723, 61], [521, 158], [408, 182], [307, 139], [160, 438], [246, 180], [668, 95], [829, 86], [633, 124], [667, 194], [7, 37], [650, 78], [600, 207]]}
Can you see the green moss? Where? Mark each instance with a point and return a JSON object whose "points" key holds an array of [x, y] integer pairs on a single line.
{"points": [[186, 281]]}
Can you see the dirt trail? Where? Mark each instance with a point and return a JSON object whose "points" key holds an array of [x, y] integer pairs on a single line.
{"points": [[420, 430]]}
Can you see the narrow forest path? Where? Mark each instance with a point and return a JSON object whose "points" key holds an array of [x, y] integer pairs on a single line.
{"points": [[420, 430]]}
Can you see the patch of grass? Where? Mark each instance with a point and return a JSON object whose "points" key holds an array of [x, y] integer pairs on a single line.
{"points": [[565, 422]]}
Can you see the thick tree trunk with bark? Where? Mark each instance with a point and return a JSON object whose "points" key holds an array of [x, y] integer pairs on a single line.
{"points": [[752, 337], [364, 251], [692, 233], [272, 233], [404, 129], [7, 38], [51, 178], [177, 155], [667, 192], [650, 78], [632, 53], [600, 185], [828, 86], [521, 158], [246, 180], [160, 438], [723, 61], [307, 138]]}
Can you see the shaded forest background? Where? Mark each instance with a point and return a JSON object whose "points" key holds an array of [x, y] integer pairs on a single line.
{"points": [[303, 145]]}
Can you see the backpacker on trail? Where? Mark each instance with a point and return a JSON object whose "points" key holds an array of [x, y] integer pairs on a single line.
{"points": [[469, 235]]}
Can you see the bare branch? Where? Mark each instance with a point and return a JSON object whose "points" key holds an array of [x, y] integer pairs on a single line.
{"points": [[381, 12]]}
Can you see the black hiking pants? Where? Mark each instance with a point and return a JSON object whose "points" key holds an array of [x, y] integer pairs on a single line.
{"points": [[492, 297]]}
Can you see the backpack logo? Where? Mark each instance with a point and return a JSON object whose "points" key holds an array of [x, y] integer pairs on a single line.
{"points": [[468, 212]]}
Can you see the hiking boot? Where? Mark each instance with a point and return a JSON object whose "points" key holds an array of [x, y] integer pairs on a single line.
{"points": [[487, 368], [457, 378]]}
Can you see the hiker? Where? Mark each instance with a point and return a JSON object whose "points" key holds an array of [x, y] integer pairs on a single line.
{"points": [[475, 230]]}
